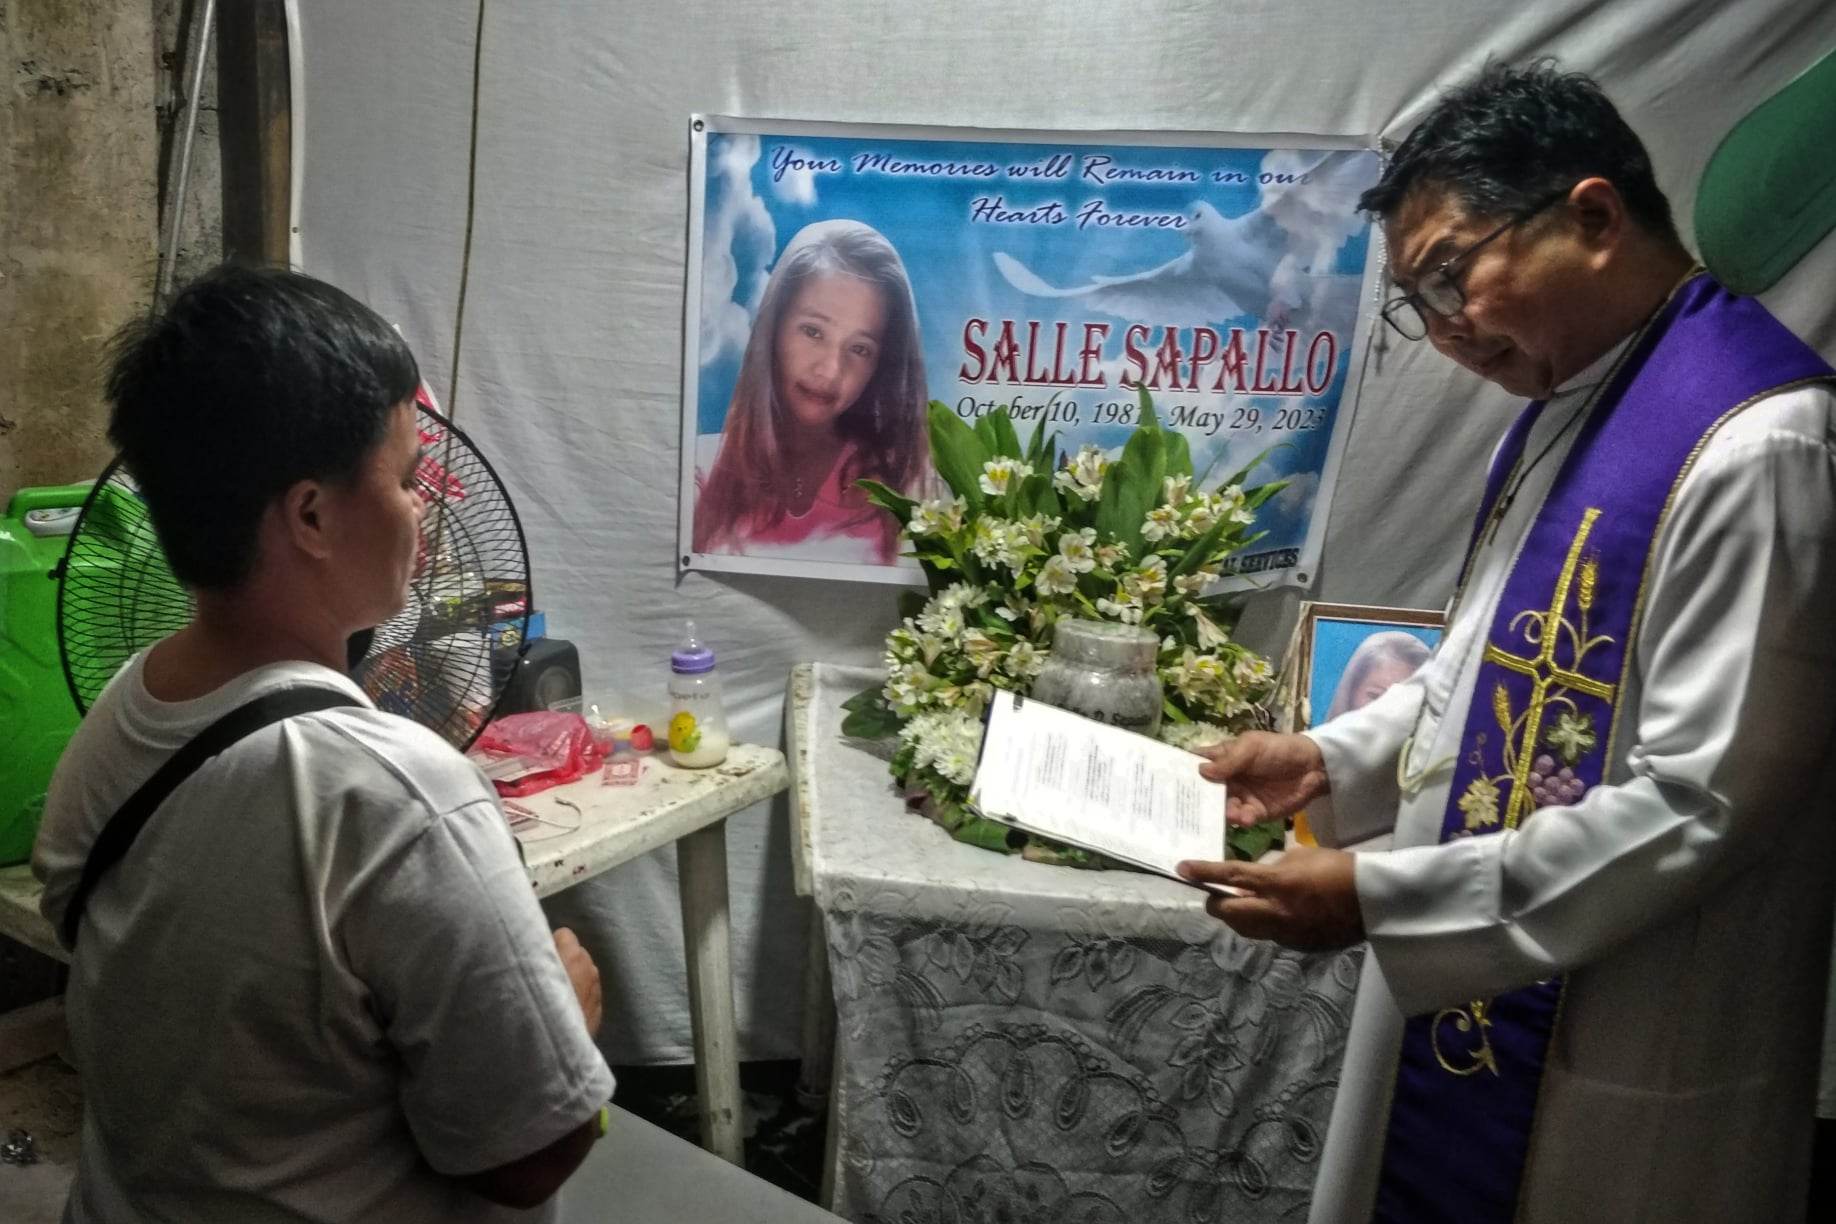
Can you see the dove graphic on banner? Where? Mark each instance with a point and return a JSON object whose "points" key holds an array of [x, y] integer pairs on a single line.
{"points": [[1274, 262]]}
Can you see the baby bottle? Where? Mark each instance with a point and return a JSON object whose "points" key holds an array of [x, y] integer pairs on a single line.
{"points": [[697, 723]]}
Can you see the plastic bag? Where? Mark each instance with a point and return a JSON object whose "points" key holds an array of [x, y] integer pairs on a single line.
{"points": [[526, 753]]}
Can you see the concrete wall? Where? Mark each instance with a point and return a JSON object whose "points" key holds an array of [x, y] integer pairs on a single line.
{"points": [[88, 87], [87, 83]]}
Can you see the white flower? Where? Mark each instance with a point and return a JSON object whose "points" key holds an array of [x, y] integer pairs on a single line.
{"points": [[1008, 613], [1000, 475], [1161, 522], [1174, 489], [1108, 554], [936, 517], [1036, 527], [1089, 465], [998, 541], [1024, 661], [1149, 582], [1233, 504], [1252, 671], [1210, 634], [956, 765], [1077, 548], [1083, 475], [964, 595], [1124, 610], [1190, 584], [982, 650], [946, 743], [941, 618], [1199, 678], [1056, 577], [1193, 735], [908, 687]]}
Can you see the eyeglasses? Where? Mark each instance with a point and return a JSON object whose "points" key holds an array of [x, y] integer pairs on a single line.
{"points": [[1439, 290]]}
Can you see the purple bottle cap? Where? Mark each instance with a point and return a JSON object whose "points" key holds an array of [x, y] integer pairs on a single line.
{"points": [[691, 658]]}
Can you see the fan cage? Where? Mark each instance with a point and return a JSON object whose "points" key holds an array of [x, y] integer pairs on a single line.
{"points": [[444, 660]]}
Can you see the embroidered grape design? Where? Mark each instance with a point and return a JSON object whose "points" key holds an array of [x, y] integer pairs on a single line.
{"points": [[1553, 787]]}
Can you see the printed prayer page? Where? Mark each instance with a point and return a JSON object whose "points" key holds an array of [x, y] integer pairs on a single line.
{"points": [[1104, 788]]}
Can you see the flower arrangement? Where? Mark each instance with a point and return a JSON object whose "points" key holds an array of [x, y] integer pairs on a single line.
{"points": [[1028, 537]]}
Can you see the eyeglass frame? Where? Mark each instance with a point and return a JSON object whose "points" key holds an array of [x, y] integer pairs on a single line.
{"points": [[1419, 303]]}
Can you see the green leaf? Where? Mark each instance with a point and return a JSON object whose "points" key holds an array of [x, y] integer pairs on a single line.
{"points": [[1253, 498], [957, 453], [1149, 449], [1148, 418], [1200, 551], [872, 721], [890, 500], [1006, 441], [869, 696], [1035, 441], [1037, 495], [1254, 841], [1132, 487], [986, 435], [1179, 454], [1238, 477], [988, 834], [911, 603]]}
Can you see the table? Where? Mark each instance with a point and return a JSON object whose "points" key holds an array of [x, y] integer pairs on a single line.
{"points": [[1040, 1043], [584, 829]]}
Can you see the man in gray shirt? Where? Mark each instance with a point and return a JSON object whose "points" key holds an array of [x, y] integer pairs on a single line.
{"points": [[317, 986]]}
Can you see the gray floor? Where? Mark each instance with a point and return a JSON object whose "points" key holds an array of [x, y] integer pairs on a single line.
{"points": [[42, 1099], [639, 1173]]}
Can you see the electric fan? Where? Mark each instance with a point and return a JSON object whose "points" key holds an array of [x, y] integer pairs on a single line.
{"points": [[443, 660]]}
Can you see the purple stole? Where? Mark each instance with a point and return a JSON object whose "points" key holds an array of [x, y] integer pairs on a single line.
{"points": [[1545, 715]]}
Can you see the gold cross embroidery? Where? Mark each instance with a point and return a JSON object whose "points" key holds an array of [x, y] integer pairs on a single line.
{"points": [[1545, 674]]}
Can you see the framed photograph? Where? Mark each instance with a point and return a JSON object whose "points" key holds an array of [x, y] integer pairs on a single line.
{"points": [[842, 277], [1345, 656]]}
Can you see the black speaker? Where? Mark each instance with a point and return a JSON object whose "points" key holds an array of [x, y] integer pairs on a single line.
{"points": [[550, 672]]}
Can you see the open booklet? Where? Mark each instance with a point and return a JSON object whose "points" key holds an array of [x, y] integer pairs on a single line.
{"points": [[1107, 789]]}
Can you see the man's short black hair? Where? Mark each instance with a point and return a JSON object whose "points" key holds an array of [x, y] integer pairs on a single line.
{"points": [[1516, 135], [251, 381]]}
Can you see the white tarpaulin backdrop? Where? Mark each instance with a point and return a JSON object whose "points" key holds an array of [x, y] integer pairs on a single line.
{"points": [[573, 328]]}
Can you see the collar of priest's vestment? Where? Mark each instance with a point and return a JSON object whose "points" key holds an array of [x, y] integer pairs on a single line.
{"points": [[1597, 371]]}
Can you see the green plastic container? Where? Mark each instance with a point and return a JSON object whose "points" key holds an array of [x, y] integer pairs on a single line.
{"points": [[37, 714]]}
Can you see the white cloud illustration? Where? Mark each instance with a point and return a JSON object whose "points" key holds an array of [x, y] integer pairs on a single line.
{"points": [[739, 220]]}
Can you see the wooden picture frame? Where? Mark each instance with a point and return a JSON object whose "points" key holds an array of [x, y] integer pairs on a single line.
{"points": [[1330, 638]]}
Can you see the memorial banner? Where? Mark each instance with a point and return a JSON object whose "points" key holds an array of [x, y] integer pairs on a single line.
{"points": [[842, 276]]}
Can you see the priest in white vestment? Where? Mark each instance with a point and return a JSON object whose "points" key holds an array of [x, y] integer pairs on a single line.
{"points": [[1682, 900]]}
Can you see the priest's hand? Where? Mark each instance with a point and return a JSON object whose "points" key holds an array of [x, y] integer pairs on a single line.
{"points": [[1305, 899], [1270, 776]]}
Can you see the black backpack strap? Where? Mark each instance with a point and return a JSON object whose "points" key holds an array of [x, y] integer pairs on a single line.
{"points": [[124, 826]]}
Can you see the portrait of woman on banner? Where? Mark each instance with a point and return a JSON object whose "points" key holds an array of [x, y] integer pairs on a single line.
{"points": [[830, 391]]}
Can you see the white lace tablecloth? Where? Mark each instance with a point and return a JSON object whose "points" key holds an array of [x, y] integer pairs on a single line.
{"points": [[1025, 1043]]}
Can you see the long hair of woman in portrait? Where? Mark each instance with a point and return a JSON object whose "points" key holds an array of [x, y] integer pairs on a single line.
{"points": [[882, 431]]}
